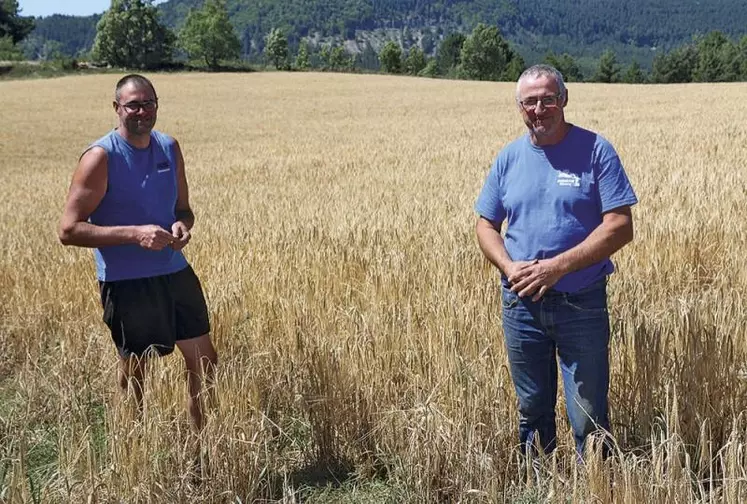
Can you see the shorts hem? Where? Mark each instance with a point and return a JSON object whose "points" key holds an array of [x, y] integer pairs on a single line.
{"points": [[193, 335], [153, 350]]}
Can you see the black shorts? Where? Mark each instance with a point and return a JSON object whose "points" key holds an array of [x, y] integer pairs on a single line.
{"points": [[154, 313]]}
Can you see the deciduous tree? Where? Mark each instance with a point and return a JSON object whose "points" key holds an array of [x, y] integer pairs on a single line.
{"points": [[208, 34], [486, 55], [391, 58], [415, 61], [130, 34]]}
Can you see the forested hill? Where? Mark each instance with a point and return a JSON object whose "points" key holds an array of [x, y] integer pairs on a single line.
{"points": [[579, 27], [638, 22]]}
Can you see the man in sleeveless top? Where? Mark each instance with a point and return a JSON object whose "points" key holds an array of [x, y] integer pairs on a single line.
{"points": [[129, 201], [566, 201]]}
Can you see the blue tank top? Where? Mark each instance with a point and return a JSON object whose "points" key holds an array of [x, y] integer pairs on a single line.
{"points": [[141, 190]]}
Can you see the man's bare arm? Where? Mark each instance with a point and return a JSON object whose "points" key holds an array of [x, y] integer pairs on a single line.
{"points": [[491, 243], [615, 231], [492, 246], [183, 210], [185, 218]]}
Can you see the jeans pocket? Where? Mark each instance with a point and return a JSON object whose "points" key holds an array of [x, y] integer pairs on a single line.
{"points": [[509, 299], [586, 303]]}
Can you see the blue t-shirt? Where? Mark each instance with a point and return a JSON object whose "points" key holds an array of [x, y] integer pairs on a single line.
{"points": [[553, 197], [141, 189]]}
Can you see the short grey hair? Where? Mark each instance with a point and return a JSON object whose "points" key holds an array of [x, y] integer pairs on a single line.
{"points": [[542, 70]]}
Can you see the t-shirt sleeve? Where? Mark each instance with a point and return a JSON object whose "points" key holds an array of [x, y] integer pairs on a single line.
{"points": [[615, 189], [490, 201]]}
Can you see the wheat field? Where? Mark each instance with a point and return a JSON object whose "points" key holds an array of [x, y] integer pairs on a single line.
{"points": [[357, 323]]}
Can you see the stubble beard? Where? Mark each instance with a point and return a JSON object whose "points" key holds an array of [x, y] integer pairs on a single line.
{"points": [[140, 126], [541, 129]]}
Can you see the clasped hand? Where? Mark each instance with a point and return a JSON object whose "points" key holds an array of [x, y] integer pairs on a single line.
{"points": [[533, 278], [153, 237]]}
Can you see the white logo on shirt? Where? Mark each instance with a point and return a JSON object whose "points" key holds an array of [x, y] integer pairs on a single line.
{"points": [[568, 180]]}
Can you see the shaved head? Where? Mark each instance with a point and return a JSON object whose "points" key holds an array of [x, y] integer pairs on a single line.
{"points": [[137, 80]]}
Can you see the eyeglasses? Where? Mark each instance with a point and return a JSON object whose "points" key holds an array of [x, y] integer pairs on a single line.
{"points": [[531, 103], [134, 106]]}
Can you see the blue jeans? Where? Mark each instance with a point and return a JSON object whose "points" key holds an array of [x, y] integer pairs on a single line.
{"points": [[575, 326]]}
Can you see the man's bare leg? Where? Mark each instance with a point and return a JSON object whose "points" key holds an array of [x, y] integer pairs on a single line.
{"points": [[200, 359], [131, 371]]}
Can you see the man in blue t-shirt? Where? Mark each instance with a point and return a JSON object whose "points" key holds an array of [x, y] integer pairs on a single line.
{"points": [[129, 200], [566, 201]]}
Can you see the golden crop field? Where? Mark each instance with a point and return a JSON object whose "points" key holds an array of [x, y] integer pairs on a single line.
{"points": [[357, 323]]}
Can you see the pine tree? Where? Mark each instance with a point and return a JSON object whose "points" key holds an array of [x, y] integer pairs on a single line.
{"points": [[609, 69], [302, 58], [276, 48]]}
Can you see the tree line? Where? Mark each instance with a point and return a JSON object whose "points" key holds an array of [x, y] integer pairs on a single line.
{"points": [[132, 34], [485, 55], [634, 29], [553, 24]]}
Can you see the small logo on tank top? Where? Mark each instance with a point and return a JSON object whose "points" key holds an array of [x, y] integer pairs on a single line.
{"points": [[568, 180], [163, 167]]}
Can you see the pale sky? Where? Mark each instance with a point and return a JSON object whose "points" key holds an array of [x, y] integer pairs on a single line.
{"points": [[71, 7]]}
